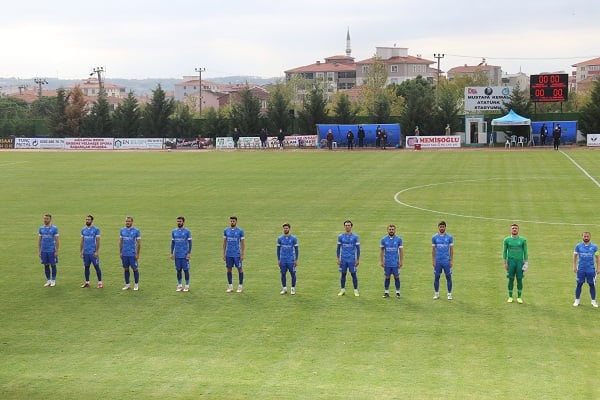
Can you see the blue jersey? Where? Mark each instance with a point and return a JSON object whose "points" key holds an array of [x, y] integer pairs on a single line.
{"points": [[129, 237], [89, 235], [233, 238], [47, 235], [348, 247], [587, 255], [181, 242], [287, 248], [442, 244], [391, 250]]}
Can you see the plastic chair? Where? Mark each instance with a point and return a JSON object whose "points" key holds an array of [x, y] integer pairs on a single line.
{"points": [[513, 140], [507, 144], [521, 141]]}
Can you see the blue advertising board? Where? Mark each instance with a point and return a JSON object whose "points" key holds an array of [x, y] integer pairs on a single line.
{"points": [[394, 137], [568, 128]]}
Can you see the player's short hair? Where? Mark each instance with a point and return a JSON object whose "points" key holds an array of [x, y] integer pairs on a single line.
{"points": [[442, 223], [233, 217], [514, 225], [391, 226], [181, 218], [286, 224], [129, 217], [90, 216], [48, 215], [348, 221]]}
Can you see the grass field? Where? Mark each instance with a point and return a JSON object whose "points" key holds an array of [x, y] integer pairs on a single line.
{"points": [[71, 343]]}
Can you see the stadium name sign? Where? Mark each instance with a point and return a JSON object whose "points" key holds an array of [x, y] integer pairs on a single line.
{"points": [[432, 141], [486, 98]]}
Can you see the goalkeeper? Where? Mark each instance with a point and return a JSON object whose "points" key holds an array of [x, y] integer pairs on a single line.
{"points": [[514, 254]]}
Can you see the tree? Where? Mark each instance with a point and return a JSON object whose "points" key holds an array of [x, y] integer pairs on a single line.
{"points": [[373, 87], [58, 118], [381, 108], [278, 107], [75, 113], [182, 123], [449, 106], [344, 111], [156, 114], [245, 115], [98, 122], [519, 102], [419, 100], [590, 112], [127, 118], [216, 123], [314, 110]]}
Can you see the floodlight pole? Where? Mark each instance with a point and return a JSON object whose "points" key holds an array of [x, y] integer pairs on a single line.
{"points": [[40, 82], [99, 71], [439, 56], [200, 70]]}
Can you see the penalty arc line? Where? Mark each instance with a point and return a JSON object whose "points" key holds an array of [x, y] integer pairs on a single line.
{"points": [[397, 200]]}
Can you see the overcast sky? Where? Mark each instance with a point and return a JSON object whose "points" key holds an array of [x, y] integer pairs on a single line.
{"points": [[168, 39]]}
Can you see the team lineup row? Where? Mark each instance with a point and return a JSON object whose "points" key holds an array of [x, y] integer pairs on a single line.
{"points": [[514, 254]]}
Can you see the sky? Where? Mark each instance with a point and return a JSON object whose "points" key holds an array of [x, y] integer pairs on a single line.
{"points": [[134, 39]]}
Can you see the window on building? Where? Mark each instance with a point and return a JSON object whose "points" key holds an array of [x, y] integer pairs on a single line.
{"points": [[394, 69], [330, 76], [365, 69]]}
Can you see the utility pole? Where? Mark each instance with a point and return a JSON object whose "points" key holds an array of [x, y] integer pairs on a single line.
{"points": [[99, 71], [40, 82], [200, 70], [439, 56]]}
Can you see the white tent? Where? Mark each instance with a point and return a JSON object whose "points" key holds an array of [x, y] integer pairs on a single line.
{"points": [[513, 119]]}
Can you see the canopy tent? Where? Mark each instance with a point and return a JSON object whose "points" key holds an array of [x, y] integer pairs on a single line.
{"points": [[513, 119]]}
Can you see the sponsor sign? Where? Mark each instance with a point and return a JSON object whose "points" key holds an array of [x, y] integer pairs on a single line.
{"points": [[593, 139], [486, 98], [138, 144], [224, 143], [88, 143], [436, 142], [6, 143]]}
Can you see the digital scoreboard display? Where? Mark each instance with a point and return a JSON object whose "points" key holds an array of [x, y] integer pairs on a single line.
{"points": [[549, 88]]}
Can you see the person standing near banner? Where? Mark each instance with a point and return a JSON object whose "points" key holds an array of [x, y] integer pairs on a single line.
{"points": [[556, 134]]}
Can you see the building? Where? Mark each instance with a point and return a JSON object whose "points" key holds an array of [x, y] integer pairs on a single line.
{"points": [[585, 73], [91, 88], [520, 78], [400, 66], [493, 73]]}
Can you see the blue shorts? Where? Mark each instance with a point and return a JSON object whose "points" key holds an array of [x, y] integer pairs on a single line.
{"points": [[387, 271], [182, 264], [233, 262], [439, 267], [129, 261], [48, 258], [588, 276], [287, 266], [347, 265], [90, 259]]}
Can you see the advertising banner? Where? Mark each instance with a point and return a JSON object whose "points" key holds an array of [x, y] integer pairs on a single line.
{"points": [[593, 139], [436, 142], [224, 143], [138, 144], [89, 143], [6, 143]]}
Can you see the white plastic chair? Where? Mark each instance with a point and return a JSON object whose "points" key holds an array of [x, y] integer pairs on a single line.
{"points": [[521, 141], [513, 140]]}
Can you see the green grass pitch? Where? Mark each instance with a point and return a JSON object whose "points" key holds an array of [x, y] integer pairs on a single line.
{"points": [[71, 343]]}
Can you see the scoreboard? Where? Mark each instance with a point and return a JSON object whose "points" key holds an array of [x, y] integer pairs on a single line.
{"points": [[549, 88]]}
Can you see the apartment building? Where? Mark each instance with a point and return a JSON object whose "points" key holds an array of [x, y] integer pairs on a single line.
{"points": [[492, 72], [400, 66], [585, 73]]}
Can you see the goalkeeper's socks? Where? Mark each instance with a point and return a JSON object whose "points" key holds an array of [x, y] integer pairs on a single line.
{"points": [[519, 292]]}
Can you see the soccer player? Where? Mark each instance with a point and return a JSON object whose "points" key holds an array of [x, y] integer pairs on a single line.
{"points": [[348, 257], [587, 268], [89, 247], [391, 254], [234, 248], [130, 243], [48, 245], [287, 258], [181, 248], [514, 254], [442, 259]]}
